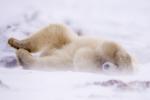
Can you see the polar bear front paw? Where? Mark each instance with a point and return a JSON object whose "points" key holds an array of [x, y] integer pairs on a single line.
{"points": [[25, 58]]}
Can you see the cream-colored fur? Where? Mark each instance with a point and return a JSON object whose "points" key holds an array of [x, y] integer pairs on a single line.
{"points": [[62, 49]]}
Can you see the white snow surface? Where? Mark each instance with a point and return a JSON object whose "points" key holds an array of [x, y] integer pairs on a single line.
{"points": [[124, 21]]}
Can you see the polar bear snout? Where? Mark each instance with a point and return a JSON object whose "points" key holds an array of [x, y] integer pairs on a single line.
{"points": [[108, 65]]}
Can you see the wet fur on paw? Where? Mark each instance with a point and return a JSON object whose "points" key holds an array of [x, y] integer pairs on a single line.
{"points": [[24, 57]]}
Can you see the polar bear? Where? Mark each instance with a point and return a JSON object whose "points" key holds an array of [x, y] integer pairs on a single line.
{"points": [[62, 49]]}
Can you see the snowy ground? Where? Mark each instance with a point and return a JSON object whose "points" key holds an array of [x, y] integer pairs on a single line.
{"points": [[125, 21]]}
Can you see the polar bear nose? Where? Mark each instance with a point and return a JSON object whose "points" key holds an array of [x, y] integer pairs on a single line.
{"points": [[108, 66]]}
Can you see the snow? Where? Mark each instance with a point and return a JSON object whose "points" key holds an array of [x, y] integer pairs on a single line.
{"points": [[125, 21], [33, 85]]}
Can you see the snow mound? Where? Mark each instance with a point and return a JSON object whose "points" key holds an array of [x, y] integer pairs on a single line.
{"points": [[19, 84]]}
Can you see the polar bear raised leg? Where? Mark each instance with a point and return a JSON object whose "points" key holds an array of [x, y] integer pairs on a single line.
{"points": [[53, 36]]}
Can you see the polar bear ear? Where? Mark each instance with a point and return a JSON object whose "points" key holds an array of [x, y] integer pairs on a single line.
{"points": [[110, 49], [122, 58]]}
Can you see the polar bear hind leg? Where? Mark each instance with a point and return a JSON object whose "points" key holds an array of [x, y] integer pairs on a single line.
{"points": [[53, 36]]}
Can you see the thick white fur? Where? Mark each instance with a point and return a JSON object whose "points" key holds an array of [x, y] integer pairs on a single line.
{"points": [[62, 49]]}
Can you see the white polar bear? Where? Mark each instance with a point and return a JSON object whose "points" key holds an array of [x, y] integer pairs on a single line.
{"points": [[62, 49]]}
